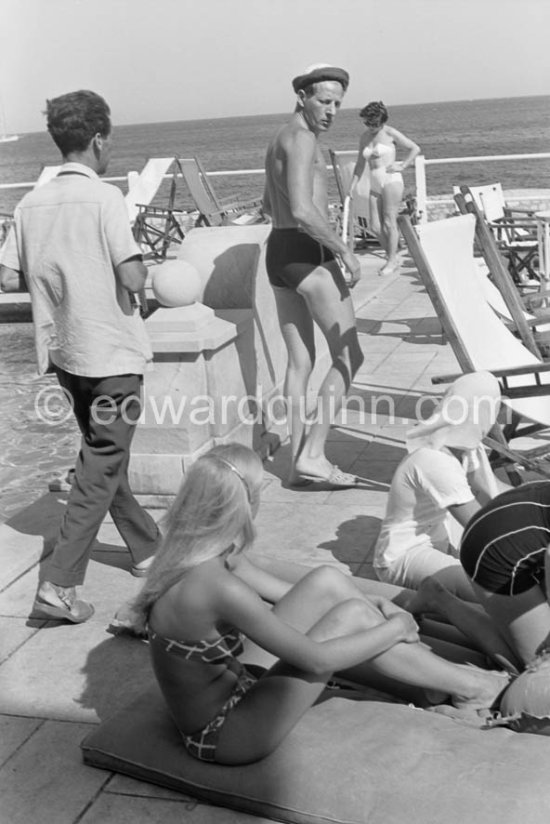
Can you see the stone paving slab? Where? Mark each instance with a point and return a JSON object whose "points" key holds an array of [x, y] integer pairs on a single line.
{"points": [[28, 536], [13, 634], [74, 673], [118, 809], [14, 732], [45, 780]]}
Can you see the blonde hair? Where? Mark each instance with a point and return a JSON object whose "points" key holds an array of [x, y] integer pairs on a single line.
{"points": [[212, 511]]}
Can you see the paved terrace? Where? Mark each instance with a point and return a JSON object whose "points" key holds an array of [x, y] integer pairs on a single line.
{"points": [[56, 681]]}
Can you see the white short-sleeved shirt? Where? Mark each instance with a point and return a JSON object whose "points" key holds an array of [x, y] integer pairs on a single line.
{"points": [[425, 484], [67, 237]]}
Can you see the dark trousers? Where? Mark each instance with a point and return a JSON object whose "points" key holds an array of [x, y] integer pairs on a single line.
{"points": [[107, 410]]}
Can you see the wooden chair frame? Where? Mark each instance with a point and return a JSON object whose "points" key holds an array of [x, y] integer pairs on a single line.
{"points": [[213, 210], [525, 386]]}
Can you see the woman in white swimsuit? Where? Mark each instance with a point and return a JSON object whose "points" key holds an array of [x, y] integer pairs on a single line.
{"points": [[377, 149]]}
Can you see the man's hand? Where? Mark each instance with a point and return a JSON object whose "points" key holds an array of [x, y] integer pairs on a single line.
{"points": [[353, 266]]}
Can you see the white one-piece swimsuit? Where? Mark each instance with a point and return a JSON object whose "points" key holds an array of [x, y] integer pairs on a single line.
{"points": [[379, 176]]}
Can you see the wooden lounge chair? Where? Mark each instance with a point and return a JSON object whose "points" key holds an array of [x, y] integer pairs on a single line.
{"points": [[155, 228], [514, 230], [500, 290], [443, 253], [215, 211]]}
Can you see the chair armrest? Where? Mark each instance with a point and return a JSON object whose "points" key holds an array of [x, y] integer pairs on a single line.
{"points": [[241, 205], [534, 369], [510, 211], [531, 460], [515, 230]]}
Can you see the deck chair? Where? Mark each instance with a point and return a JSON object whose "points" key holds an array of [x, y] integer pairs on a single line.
{"points": [[500, 289], [213, 210], [47, 174], [343, 164], [443, 253], [155, 228], [514, 230]]}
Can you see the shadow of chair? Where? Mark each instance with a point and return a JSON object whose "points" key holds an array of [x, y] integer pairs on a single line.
{"points": [[514, 230], [343, 164], [155, 228], [213, 210], [443, 253]]}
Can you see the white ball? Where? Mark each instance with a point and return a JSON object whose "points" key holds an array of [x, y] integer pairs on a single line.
{"points": [[176, 283]]}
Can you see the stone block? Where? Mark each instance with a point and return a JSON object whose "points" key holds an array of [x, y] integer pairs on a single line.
{"points": [[195, 396]]}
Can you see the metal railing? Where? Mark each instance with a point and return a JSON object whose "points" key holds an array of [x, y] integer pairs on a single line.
{"points": [[421, 165]]}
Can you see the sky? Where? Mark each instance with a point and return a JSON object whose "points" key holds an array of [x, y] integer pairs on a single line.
{"points": [[160, 60]]}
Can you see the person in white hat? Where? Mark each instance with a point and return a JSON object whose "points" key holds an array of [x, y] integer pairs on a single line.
{"points": [[446, 474], [307, 281]]}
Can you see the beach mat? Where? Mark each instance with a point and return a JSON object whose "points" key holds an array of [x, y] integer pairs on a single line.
{"points": [[346, 761]]}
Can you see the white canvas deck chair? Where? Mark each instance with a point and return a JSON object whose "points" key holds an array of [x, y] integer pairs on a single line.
{"points": [[47, 174], [143, 189], [443, 253]]}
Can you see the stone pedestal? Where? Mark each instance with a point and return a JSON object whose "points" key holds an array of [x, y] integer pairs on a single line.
{"points": [[195, 396]]}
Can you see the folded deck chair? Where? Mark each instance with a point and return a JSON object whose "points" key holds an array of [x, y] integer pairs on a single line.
{"points": [[213, 210], [343, 164], [514, 230], [443, 253], [501, 291], [155, 228]]}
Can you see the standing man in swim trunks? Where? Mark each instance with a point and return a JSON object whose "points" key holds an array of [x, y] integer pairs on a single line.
{"points": [[307, 281]]}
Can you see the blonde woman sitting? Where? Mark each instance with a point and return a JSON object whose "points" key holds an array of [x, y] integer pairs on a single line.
{"points": [[202, 596]]}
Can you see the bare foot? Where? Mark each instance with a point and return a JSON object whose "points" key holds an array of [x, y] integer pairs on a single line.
{"points": [[390, 267], [486, 688], [320, 467]]}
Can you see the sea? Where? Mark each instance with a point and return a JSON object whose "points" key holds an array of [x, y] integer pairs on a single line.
{"points": [[516, 125]]}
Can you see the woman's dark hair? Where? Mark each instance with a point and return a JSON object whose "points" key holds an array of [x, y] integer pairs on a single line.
{"points": [[375, 110], [73, 119]]}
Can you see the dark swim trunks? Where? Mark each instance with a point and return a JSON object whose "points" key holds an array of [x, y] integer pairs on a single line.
{"points": [[504, 545], [292, 255]]}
